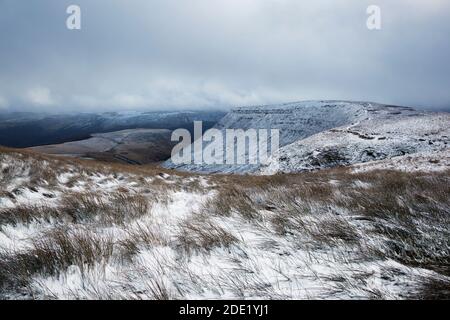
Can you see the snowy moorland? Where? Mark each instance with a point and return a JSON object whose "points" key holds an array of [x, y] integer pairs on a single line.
{"points": [[81, 229]]}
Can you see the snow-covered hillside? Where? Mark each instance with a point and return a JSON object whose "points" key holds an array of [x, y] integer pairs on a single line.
{"points": [[369, 140], [301, 120], [431, 161], [73, 229]]}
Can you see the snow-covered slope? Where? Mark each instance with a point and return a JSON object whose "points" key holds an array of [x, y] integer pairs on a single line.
{"points": [[74, 229], [369, 140], [434, 161], [300, 120]]}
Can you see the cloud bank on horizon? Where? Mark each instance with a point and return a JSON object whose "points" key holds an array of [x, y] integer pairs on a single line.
{"points": [[159, 54]]}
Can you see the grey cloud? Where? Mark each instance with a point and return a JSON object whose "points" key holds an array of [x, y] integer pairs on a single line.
{"points": [[158, 54]]}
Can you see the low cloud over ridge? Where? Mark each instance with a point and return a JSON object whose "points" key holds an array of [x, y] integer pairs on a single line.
{"points": [[215, 54]]}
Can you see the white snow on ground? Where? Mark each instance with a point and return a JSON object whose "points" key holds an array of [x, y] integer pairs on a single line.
{"points": [[259, 264], [18, 238], [422, 161]]}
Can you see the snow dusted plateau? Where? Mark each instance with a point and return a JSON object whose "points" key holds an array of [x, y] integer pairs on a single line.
{"points": [[373, 223]]}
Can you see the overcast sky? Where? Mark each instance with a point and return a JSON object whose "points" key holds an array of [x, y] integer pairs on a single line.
{"points": [[191, 54]]}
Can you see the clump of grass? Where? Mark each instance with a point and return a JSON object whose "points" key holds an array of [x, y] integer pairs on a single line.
{"points": [[141, 236], [116, 208], [316, 229], [201, 234], [433, 288], [231, 200], [334, 231], [126, 207], [83, 206], [158, 290], [16, 271], [54, 253], [61, 248], [280, 223], [73, 180], [27, 213], [43, 173]]}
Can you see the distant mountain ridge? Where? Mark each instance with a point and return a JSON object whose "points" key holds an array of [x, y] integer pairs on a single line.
{"points": [[33, 129], [300, 121]]}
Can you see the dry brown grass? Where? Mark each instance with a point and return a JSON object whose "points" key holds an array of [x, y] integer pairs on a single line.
{"points": [[27, 214], [141, 237], [231, 200], [199, 233], [433, 288], [61, 164], [115, 208], [408, 215], [382, 215], [61, 248], [53, 253]]}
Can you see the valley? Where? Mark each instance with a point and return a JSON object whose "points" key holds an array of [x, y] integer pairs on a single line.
{"points": [[132, 146]]}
